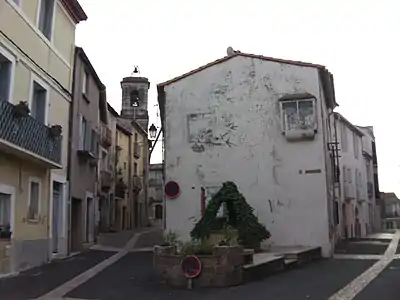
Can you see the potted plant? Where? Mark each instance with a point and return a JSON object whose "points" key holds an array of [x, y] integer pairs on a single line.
{"points": [[170, 244], [56, 131], [21, 109]]}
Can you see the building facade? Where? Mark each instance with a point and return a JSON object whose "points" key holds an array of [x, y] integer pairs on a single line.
{"points": [[36, 57], [88, 112], [263, 124], [156, 195], [390, 211]]}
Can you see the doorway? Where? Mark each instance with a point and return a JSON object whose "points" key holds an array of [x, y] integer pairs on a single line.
{"points": [[56, 215], [89, 220], [76, 224]]}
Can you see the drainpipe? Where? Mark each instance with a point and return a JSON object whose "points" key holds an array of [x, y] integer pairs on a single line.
{"points": [[146, 161]]}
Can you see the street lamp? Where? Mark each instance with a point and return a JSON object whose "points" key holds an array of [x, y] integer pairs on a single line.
{"points": [[152, 131]]}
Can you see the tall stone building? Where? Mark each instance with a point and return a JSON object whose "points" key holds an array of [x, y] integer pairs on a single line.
{"points": [[134, 99]]}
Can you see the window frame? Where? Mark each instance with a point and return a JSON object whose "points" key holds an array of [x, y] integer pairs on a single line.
{"points": [[45, 86], [356, 145], [39, 182], [10, 190], [39, 8], [11, 58], [85, 84], [284, 122]]}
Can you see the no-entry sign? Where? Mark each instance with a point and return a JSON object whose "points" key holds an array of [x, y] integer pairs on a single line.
{"points": [[191, 266]]}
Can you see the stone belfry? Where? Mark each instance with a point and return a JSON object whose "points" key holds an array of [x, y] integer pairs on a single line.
{"points": [[134, 99]]}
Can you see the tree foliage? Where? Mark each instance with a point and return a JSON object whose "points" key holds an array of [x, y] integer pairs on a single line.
{"points": [[240, 216]]}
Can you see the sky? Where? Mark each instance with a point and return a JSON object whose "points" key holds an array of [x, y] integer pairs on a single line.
{"points": [[356, 40]]}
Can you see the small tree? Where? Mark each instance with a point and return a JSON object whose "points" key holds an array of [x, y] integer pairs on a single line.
{"points": [[240, 216]]}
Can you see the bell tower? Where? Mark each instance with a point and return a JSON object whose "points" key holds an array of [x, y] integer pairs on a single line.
{"points": [[134, 98]]}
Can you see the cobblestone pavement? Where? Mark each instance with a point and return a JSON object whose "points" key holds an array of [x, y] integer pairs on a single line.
{"points": [[373, 274]]}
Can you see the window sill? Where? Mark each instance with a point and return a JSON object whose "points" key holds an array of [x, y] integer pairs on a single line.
{"points": [[33, 221], [300, 134]]}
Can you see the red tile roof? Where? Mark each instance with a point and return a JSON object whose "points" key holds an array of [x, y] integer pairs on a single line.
{"points": [[75, 10], [278, 60]]}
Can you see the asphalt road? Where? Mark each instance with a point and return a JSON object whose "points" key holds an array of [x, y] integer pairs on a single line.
{"points": [[131, 277], [40, 280]]}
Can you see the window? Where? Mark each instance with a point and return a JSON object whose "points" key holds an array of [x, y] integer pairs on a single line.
{"points": [[82, 132], [85, 83], [6, 66], [93, 141], [104, 161], [343, 137], [136, 137], [38, 102], [45, 19], [135, 98], [356, 145], [135, 169], [5, 211], [34, 199], [298, 114]]}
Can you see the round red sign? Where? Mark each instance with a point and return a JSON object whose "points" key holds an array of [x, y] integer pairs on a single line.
{"points": [[191, 266], [171, 189]]}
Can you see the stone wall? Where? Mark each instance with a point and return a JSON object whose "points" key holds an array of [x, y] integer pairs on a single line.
{"points": [[223, 268]]}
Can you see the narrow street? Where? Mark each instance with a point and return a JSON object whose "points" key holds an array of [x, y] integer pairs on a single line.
{"points": [[131, 277]]}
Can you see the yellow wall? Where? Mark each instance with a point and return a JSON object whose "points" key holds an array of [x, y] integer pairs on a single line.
{"points": [[56, 56], [140, 161], [123, 143], [15, 174]]}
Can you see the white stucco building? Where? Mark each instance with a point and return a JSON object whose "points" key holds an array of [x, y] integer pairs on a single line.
{"points": [[358, 208], [263, 124]]}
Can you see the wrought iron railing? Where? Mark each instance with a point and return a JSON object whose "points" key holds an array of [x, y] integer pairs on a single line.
{"points": [[28, 133]]}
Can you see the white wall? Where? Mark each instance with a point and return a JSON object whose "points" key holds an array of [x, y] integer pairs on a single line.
{"points": [[240, 97]]}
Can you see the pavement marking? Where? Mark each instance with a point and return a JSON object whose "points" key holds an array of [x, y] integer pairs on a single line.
{"points": [[357, 285], [70, 285], [358, 256]]}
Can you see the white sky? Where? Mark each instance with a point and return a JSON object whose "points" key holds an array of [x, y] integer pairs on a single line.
{"points": [[357, 41]]}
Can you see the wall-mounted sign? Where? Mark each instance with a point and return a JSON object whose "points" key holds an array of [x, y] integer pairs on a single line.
{"points": [[171, 189], [191, 266]]}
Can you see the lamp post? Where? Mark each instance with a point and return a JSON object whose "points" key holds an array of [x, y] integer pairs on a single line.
{"points": [[152, 135]]}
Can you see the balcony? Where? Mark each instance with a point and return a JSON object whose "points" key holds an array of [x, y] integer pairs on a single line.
{"points": [[137, 183], [136, 150], [349, 192], [106, 180], [28, 139], [106, 136]]}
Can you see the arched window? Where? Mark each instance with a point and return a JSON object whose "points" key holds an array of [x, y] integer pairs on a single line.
{"points": [[135, 98]]}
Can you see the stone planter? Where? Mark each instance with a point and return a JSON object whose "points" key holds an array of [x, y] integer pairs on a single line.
{"points": [[21, 109], [216, 236], [221, 269]]}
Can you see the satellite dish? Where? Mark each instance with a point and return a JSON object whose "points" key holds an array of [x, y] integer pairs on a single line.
{"points": [[230, 51]]}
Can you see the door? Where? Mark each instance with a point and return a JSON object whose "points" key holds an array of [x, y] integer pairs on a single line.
{"points": [[57, 217], [89, 220]]}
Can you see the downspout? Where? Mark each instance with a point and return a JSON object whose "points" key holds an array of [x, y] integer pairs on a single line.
{"points": [[69, 158], [146, 180]]}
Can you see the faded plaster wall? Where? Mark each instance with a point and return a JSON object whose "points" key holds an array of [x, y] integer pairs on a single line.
{"points": [[222, 124]]}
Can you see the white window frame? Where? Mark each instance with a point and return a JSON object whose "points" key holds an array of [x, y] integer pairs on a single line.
{"points": [[39, 182], [12, 59], [39, 8], [44, 85], [10, 190], [85, 80], [297, 101]]}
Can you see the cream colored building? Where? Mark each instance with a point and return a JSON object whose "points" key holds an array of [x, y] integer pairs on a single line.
{"points": [[37, 40]]}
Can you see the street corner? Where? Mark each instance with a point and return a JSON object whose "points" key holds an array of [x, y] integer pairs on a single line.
{"points": [[133, 275], [35, 282]]}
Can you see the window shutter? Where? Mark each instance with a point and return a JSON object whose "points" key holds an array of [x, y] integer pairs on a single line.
{"points": [[81, 133], [88, 139]]}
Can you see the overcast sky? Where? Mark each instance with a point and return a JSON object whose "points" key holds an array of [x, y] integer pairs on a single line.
{"points": [[357, 40]]}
